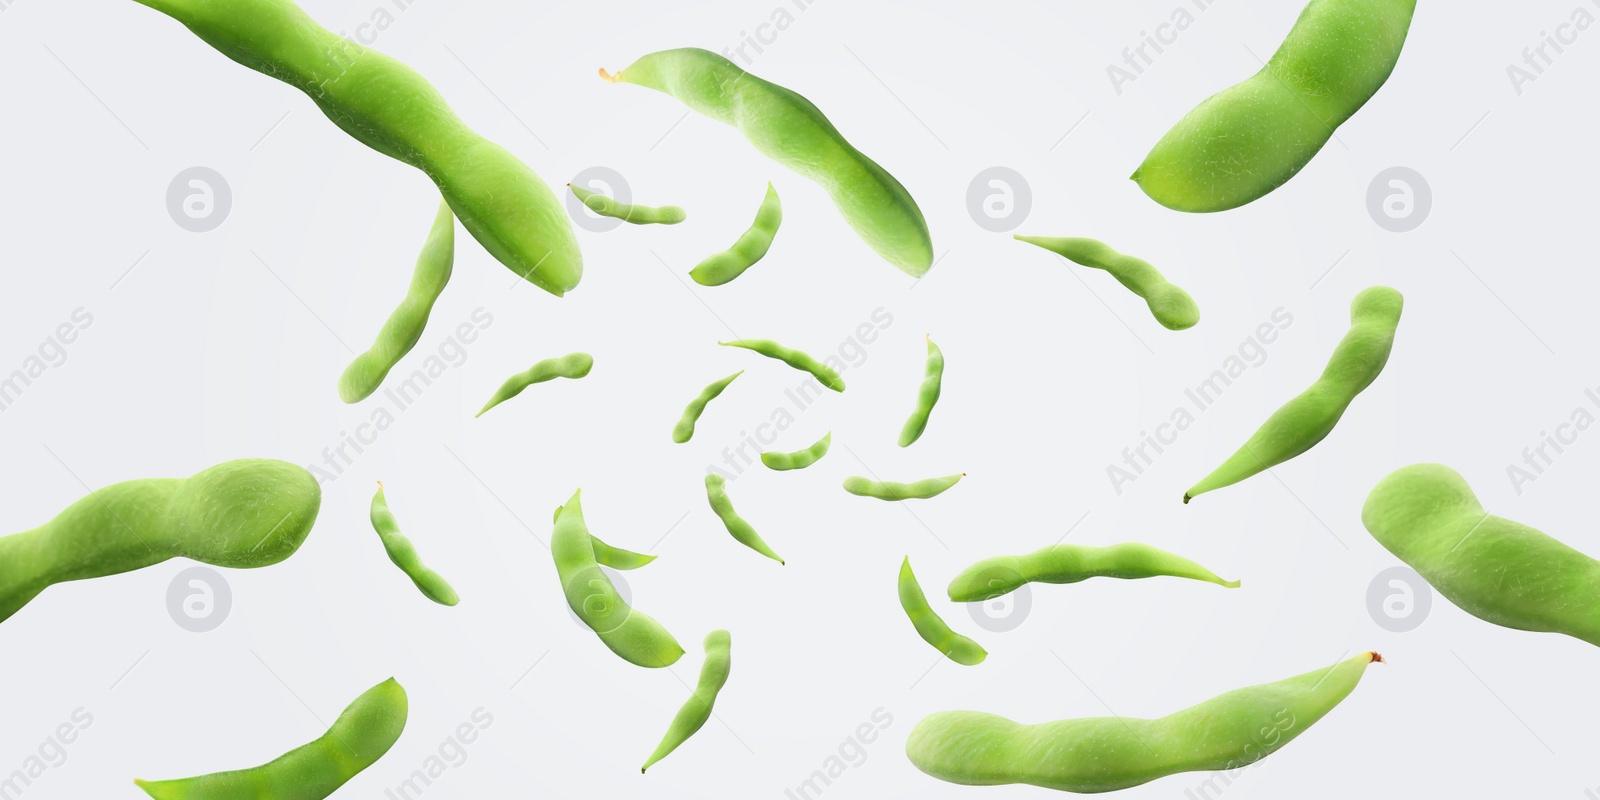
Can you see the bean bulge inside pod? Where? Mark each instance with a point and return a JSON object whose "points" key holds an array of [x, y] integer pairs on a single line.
{"points": [[629, 633]]}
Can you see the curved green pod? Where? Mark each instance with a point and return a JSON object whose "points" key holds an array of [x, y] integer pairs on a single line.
{"points": [[361, 735], [1071, 563], [388, 107], [631, 634], [927, 396], [684, 430], [752, 246], [572, 366], [241, 514], [790, 130], [930, 626], [800, 360], [637, 215], [611, 556], [697, 709], [1170, 305], [888, 490], [799, 459], [1105, 754], [1308, 418], [404, 554], [1249, 139], [1495, 569], [742, 532], [404, 327]]}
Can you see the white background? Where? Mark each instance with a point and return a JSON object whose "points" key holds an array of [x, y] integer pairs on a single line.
{"points": [[228, 344]]}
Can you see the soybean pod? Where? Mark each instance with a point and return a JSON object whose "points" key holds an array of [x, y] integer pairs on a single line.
{"points": [[1071, 563], [684, 430], [1170, 305], [930, 626], [697, 709], [799, 459], [632, 635], [827, 375], [751, 247], [927, 396], [572, 366], [610, 556], [404, 554], [638, 215], [883, 490], [742, 532]]}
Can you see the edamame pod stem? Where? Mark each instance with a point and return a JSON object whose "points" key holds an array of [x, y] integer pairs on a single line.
{"points": [[684, 430], [930, 627], [799, 459], [358, 738], [751, 247], [1310, 417], [1104, 754], [240, 514], [614, 557], [692, 717], [827, 375], [388, 107], [1495, 569], [1247, 140], [1071, 563], [631, 634], [404, 327], [638, 215], [790, 130], [404, 555], [743, 532], [573, 366], [883, 490], [927, 396], [1171, 306]]}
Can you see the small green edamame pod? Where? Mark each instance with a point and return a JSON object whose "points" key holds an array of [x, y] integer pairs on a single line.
{"points": [[404, 554], [1071, 563], [631, 634], [799, 459], [638, 215], [885, 490], [1171, 306], [751, 247], [790, 130], [697, 710], [1105, 754], [827, 375], [388, 107], [927, 396], [1245, 141], [742, 532], [614, 557], [404, 327], [240, 514], [572, 365], [684, 430], [931, 627], [1495, 569], [1308, 419], [361, 735]]}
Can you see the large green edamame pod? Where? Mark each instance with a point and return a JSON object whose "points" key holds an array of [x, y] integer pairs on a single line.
{"points": [[1170, 305], [631, 634], [752, 246], [358, 738], [1104, 754], [697, 709], [792, 131], [1071, 563], [241, 514], [388, 107]]}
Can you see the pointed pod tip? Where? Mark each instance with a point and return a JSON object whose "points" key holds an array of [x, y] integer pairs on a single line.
{"points": [[1377, 658]]}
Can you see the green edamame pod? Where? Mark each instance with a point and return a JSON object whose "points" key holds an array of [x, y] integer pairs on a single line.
{"points": [[692, 717], [743, 532], [404, 554], [638, 215], [404, 327], [1171, 306], [572, 365], [927, 396], [799, 459], [885, 490], [794, 358], [790, 130], [631, 634], [751, 247], [1247, 140], [614, 557], [240, 514], [684, 430], [1071, 563], [361, 735], [1104, 754], [1310, 417], [931, 627], [1495, 569], [388, 107]]}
